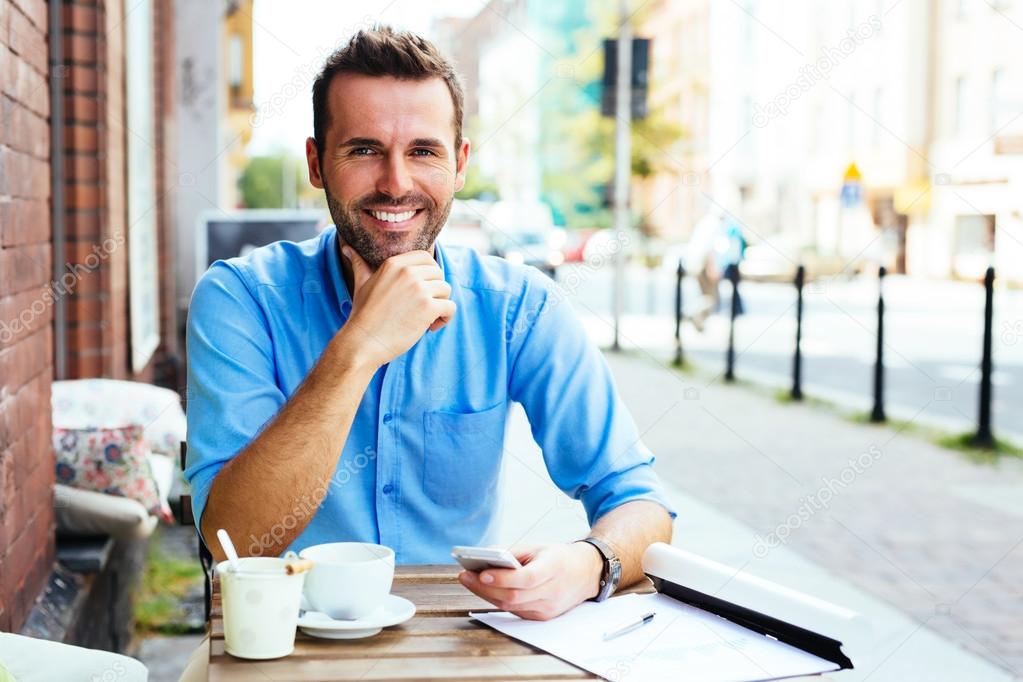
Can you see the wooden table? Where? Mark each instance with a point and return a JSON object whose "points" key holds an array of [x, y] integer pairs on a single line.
{"points": [[440, 642]]}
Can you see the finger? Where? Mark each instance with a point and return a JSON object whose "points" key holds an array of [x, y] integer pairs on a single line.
{"points": [[525, 552], [445, 311], [416, 257], [427, 272], [437, 288], [537, 573], [505, 598], [529, 577], [541, 609], [360, 268]]}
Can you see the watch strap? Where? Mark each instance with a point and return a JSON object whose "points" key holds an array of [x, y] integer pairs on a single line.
{"points": [[611, 575]]}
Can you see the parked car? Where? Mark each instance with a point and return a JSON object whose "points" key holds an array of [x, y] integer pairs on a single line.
{"points": [[524, 232], [575, 244], [465, 226]]}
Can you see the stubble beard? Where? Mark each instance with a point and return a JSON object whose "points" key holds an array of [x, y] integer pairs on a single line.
{"points": [[374, 246]]}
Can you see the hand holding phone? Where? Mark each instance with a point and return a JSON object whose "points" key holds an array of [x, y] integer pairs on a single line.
{"points": [[480, 558]]}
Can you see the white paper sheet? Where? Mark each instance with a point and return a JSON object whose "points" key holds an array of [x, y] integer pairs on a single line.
{"points": [[681, 643]]}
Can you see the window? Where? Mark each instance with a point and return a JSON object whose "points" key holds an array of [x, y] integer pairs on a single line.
{"points": [[996, 117], [960, 106], [878, 116]]}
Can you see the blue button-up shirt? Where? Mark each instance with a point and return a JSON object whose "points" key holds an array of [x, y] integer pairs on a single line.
{"points": [[419, 471]]}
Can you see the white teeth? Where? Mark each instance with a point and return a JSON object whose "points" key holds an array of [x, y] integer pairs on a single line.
{"points": [[392, 217]]}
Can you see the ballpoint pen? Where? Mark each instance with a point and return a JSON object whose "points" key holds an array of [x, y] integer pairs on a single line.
{"points": [[630, 627]]}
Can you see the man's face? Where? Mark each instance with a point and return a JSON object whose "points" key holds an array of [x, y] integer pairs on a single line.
{"points": [[389, 167]]}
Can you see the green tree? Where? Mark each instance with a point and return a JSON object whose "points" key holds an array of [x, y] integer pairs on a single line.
{"points": [[267, 179], [477, 186], [578, 144]]}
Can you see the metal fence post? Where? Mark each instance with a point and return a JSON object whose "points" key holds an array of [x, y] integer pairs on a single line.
{"points": [[733, 276], [680, 273], [797, 360], [877, 414], [984, 437]]}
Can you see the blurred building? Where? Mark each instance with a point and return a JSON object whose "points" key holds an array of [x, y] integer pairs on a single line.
{"points": [[519, 63], [237, 47], [860, 136], [213, 71], [828, 101], [679, 33], [86, 228], [509, 81], [977, 152]]}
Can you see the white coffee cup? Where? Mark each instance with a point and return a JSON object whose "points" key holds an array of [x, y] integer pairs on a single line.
{"points": [[348, 580], [261, 603]]}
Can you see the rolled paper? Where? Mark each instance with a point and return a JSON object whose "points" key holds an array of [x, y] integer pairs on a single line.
{"points": [[300, 566], [757, 594]]}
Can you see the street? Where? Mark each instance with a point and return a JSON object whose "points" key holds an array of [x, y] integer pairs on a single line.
{"points": [[933, 339]]}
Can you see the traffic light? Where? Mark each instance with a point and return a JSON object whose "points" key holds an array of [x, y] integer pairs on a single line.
{"points": [[640, 76]]}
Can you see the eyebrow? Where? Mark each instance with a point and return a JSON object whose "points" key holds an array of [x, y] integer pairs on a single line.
{"points": [[426, 142], [373, 142], [361, 142]]}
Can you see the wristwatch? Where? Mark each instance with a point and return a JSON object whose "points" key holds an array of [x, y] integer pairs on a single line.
{"points": [[612, 572]]}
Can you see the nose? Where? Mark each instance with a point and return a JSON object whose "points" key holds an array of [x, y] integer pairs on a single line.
{"points": [[395, 180]]}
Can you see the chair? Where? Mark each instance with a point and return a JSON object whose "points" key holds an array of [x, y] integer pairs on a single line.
{"points": [[186, 518]]}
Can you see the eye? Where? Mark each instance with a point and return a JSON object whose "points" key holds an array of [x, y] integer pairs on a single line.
{"points": [[428, 152], [362, 151]]}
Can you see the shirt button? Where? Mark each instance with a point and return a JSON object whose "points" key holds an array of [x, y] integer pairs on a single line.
{"points": [[388, 489], [388, 417]]}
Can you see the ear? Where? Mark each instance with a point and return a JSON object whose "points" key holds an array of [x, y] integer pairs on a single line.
{"points": [[312, 159], [461, 163]]}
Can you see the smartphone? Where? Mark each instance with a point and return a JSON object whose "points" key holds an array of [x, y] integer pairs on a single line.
{"points": [[479, 558]]}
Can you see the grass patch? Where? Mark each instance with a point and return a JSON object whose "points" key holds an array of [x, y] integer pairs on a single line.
{"points": [[965, 443], [863, 417], [784, 396], [165, 582]]}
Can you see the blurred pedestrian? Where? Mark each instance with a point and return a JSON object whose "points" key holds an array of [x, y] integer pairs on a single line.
{"points": [[730, 248], [701, 260]]}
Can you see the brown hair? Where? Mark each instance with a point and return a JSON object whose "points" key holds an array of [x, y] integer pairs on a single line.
{"points": [[382, 51]]}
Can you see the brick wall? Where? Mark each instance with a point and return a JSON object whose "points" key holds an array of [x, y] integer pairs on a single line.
{"points": [[26, 338], [92, 80], [94, 283], [98, 341]]}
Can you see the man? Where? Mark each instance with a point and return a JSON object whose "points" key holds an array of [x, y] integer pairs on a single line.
{"points": [[355, 386]]}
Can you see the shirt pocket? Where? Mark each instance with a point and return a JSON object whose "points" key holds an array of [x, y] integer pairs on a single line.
{"points": [[462, 455]]}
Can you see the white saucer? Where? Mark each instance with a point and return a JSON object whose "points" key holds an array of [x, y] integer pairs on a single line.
{"points": [[394, 610]]}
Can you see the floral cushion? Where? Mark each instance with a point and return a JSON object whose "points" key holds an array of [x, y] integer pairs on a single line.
{"points": [[111, 461], [91, 403]]}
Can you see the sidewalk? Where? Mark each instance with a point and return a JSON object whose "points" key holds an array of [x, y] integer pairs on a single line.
{"points": [[861, 515]]}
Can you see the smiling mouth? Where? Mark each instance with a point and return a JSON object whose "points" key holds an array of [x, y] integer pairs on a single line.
{"points": [[390, 220]]}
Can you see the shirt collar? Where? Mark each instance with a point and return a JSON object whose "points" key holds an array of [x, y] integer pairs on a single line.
{"points": [[336, 275]]}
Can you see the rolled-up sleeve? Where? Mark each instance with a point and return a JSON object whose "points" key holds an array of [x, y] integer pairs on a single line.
{"points": [[590, 442], [232, 390]]}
